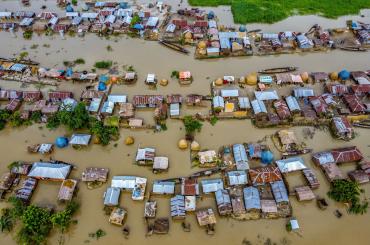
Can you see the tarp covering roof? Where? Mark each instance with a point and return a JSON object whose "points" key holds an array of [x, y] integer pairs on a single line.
{"points": [[46, 170]]}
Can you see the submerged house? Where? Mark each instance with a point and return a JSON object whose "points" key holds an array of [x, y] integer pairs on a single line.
{"points": [[80, 139], [92, 174], [282, 109], [111, 196], [178, 207], [212, 185], [342, 128], [223, 202], [145, 156], [263, 175], [164, 187], [252, 201], [237, 178], [189, 187], [291, 164], [240, 157], [341, 155], [50, 171]]}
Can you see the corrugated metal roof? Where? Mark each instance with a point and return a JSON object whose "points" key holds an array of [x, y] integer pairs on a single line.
{"points": [[251, 198], [212, 185], [111, 196], [164, 187], [266, 95], [292, 103], [237, 177], [303, 92], [229, 92], [258, 107], [80, 139], [218, 101], [279, 191], [49, 170], [291, 164], [244, 103]]}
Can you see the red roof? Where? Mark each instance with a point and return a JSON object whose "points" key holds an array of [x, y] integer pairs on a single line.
{"points": [[347, 154], [337, 89], [354, 103], [31, 96], [190, 187], [147, 100], [180, 23], [13, 105], [262, 175], [200, 23], [282, 109], [318, 104], [361, 88], [174, 98], [59, 95]]}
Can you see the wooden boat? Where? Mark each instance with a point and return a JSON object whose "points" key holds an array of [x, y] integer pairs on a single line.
{"points": [[174, 46], [321, 203], [278, 70], [254, 31], [353, 48], [297, 152], [362, 125], [24, 61]]}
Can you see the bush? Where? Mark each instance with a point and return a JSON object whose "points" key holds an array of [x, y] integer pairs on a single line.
{"points": [[63, 219], [104, 133], [27, 34], [103, 64], [79, 61], [213, 120]]}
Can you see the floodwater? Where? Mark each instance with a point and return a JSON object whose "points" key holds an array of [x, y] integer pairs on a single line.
{"points": [[317, 227]]}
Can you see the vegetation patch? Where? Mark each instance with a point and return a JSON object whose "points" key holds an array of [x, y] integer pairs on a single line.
{"points": [[192, 125], [35, 223], [346, 191], [270, 11], [104, 64]]}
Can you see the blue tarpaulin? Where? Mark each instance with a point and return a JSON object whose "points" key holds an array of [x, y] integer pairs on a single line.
{"points": [[103, 78], [102, 86], [61, 142], [211, 15], [69, 8], [138, 27], [267, 157], [69, 72], [344, 74]]}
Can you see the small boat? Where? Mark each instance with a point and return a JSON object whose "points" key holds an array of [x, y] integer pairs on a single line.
{"points": [[297, 152], [353, 48], [321, 203], [278, 70], [174, 46], [254, 31], [338, 214]]}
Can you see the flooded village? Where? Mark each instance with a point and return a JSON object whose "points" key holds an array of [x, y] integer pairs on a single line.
{"points": [[161, 130]]}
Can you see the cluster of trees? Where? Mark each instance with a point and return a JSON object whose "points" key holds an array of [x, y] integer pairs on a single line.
{"points": [[79, 118], [15, 120], [35, 222], [346, 191]]}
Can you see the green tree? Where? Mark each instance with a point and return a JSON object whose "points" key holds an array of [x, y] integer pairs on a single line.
{"points": [[36, 225], [192, 124], [63, 219], [346, 191]]}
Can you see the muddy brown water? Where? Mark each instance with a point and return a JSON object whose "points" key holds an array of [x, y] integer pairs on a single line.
{"points": [[317, 227]]}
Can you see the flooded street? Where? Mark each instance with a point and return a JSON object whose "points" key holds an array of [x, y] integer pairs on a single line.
{"points": [[317, 226]]}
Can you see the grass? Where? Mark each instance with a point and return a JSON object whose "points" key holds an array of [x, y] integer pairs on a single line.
{"points": [[270, 11], [104, 64]]}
